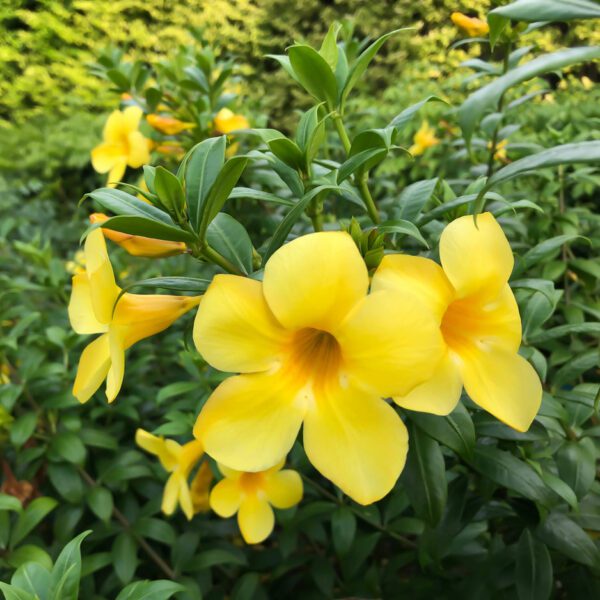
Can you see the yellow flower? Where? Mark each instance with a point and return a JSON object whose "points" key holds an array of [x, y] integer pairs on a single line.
{"points": [[226, 121], [77, 265], [423, 139], [168, 125], [479, 319], [135, 317], [123, 145], [200, 488], [4, 374], [313, 348], [472, 26], [179, 461], [500, 153], [587, 83], [251, 496], [549, 98], [138, 245]]}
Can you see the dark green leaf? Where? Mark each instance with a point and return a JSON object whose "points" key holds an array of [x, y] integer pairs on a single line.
{"points": [[124, 554], [534, 569], [343, 529], [145, 227], [403, 227], [576, 463], [243, 192], [100, 501], [169, 190], [230, 239], [30, 518], [161, 589], [122, 203]]}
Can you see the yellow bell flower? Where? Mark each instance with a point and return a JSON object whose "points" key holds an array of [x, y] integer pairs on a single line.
{"points": [[479, 320], [123, 145], [168, 125], [179, 461], [138, 245], [135, 317], [226, 121], [251, 496], [423, 139], [313, 348], [472, 26]]}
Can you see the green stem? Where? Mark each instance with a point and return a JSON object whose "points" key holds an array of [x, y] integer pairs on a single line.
{"points": [[212, 255], [339, 125], [317, 221]]}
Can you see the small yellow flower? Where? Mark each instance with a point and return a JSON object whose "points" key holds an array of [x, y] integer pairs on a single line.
{"points": [[4, 374], [479, 320], [226, 121], [423, 139], [314, 349], [200, 488], [472, 26], [168, 125], [77, 265], [135, 317], [563, 84], [179, 461], [587, 83], [549, 98], [251, 496], [500, 153], [138, 245], [123, 145]]}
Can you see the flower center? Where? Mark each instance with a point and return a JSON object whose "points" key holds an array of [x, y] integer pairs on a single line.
{"points": [[251, 482], [315, 356], [459, 323]]}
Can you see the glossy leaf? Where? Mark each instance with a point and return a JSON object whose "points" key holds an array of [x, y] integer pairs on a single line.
{"points": [[534, 569], [314, 74], [230, 239]]}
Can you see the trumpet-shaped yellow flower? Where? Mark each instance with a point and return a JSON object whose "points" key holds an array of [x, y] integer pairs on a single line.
{"points": [[179, 461], [138, 245], [123, 145], [135, 317], [251, 496], [479, 320], [313, 348], [168, 125], [226, 121], [423, 139], [472, 26]]}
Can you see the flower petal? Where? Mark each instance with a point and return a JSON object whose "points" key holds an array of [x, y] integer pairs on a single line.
{"points": [[503, 383], [93, 368], [131, 118], [315, 280], [390, 343], [256, 520], [356, 440], [103, 289], [185, 498], [114, 380], [250, 422], [156, 445], [116, 173], [81, 310], [225, 498], [439, 394], [114, 128], [284, 488], [139, 153], [476, 258], [106, 155], [171, 494], [235, 330], [420, 276]]}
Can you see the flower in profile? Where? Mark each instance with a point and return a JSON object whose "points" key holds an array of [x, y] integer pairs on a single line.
{"points": [[138, 245], [479, 320], [179, 461], [251, 496], [123, 145], [92, 310], [226, 121], [472, 26], [167, 124], [423, 139], [313, 348]]}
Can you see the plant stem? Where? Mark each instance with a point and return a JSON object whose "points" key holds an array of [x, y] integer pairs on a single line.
{"points": [[317, 221], [119, 516], [339, 125], [212, 255]]}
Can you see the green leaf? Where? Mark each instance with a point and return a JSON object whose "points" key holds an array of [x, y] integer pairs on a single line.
{"points": [[542, 251], [161, 589], [203, 165], [343, 529], [244, 192], [487, 97], [100, 501], [363, 61], [30, 517], [414, 197], [29, 553], [145, 227], [534, 569], [230, 239], [22, 429], [220, 190], [403, 227], [13, 593], [329, 48], [155, 529], [314, 74], [425, 476], [122, 203], [169, 191], [355, 162], [68, 446], [406, 116], [576, 462], [371, 139], [307, 125], [592, 329], [177, 284], [531, 11], [217, 556], [561, 488], [8, 502], [64, 583], [124, 554], [287, 151], [33, 578]]}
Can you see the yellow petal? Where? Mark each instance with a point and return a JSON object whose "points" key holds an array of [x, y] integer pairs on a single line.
{"points": [[131, 118], [439, 394], [256, 520], [81, 311], [476, 259], [103, 289], [356, 440], [191, 453], [249, 422], [390, 343], [106, 155], [93, 368], [139, 153], [141, 315], [420, 276], [315, 280], [235, 330], [157, 446], [504, 384], [229, 473], [114, 128], [171, 494], [284, 489], [116, 173], [200, 488], [116, 372], [185, 498], [225, 498]]}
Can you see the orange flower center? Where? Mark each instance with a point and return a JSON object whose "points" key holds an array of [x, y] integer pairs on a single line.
{"points": [[458, 322], [251, 482]]}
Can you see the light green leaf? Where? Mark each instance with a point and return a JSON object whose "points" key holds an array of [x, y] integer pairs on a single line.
{"points": [[314, 74], [230, 239], [403, 227]]}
